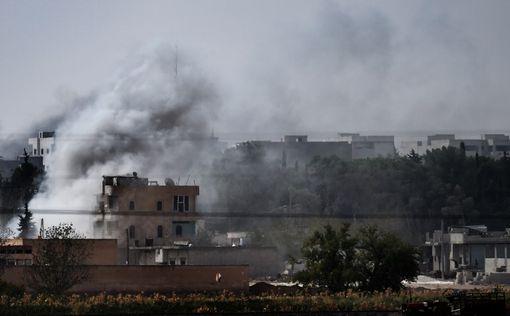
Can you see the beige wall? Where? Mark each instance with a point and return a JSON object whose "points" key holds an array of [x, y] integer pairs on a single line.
{"points": [[151, 278], [102, 251], [146, 197]]}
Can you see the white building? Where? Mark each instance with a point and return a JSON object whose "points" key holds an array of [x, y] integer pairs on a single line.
{"points": [[42, 146], [371, 146]]}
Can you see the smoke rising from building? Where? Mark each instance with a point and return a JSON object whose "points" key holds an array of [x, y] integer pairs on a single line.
{"points": [[154, 116]]}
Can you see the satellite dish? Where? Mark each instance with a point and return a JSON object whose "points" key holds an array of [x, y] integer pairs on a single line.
{"points": [[169, 181]]}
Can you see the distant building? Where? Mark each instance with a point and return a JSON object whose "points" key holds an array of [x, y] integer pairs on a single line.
{"points": [[466, 248], [499, 145], [371, 146], [295, 151], [489, 145], [42, 146], [7, 166]]}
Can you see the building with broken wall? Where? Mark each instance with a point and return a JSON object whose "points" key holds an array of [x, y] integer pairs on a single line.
{"points": [[467, 248], [143, 214], [158, 224]]}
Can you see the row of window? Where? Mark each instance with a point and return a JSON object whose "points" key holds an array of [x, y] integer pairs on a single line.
{"points": [[42, 151], [13, 250], [181, 204], [178, 231], [180, 261], [16, 262]]}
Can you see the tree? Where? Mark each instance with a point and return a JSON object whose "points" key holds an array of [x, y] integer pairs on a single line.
{"points": [[371, 261], [330, 259], [26, 225], [384, 260], [58, 263]]}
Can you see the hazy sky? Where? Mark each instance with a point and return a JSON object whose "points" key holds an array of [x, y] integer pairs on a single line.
{"points": [[276, 65]]}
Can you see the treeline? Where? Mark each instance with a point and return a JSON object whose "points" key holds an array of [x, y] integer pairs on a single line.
{"points": [[16, 191], [442, 183]]}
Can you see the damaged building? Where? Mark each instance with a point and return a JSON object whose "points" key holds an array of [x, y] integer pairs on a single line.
{"points": [[467, 248], [158, 224]]}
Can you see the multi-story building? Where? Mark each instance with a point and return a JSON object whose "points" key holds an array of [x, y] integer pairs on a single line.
{"points": [[490, 145], [465, 248], [370, 146], [145, 215], [42, 146], [295, 151], [499, 145]]}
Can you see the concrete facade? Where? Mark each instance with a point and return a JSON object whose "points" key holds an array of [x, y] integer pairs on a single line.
{"points": [[489, 145], [262, 261], [43, 145], [467, 248], [8, 166], [295, 151], [106, 278], [371, 146], [141, 213], [20, 252]]}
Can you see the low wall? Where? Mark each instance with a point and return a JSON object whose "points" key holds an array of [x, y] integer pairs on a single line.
{"points": [[151, 278], [498, 278]]}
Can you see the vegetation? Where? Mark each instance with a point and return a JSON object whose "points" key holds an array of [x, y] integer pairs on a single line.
{"points": [[58, 263], [26, 225], [371, 261], [158, 304], [442, 183], [18, 189]]}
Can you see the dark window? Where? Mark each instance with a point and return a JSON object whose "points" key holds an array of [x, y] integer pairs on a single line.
{"points": [[149, 242], [172, 261], [159, 205], [131, 205], [182, 261], [132, 231], [35, 151], [178, 231], [160, 231], [181, 203]]}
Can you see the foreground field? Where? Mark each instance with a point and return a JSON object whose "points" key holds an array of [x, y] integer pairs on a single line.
{"points": [[125, 304]]}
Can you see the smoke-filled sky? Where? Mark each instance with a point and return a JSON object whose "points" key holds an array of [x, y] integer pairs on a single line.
{"points": [[283, 66]]}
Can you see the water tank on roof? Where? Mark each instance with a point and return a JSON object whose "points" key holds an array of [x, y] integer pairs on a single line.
{"points": [[169, 181]]}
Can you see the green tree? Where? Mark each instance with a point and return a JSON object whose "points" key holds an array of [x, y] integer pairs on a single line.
{"points": [[58, 264], [330, 258], [384, 260], [26, 225]]}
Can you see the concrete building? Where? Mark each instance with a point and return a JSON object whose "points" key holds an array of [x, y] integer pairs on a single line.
{"points": [[489, 145], [499, 145], [142, 213], [8, 166], [159, 224], [466, 248], [296, 151], [43, 145], [20, 252], [371, 146]]}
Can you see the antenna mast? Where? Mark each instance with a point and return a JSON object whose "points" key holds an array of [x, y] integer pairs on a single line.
{"points": [[176, 61]]}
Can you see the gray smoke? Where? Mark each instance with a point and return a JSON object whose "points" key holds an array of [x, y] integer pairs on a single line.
{"points": [[154, 118]]}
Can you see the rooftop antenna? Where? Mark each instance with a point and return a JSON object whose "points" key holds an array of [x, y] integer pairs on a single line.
{"points": [[188, 179], [176, 62]]}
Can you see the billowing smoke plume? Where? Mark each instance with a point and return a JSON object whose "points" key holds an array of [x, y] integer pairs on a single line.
{"points": [[154, 118]]}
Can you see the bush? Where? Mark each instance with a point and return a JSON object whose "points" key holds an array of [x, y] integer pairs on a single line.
{"points": [[11, 290]]}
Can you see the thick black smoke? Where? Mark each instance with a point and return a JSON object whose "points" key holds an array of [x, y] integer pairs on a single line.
{"points": [[154, 118]]}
